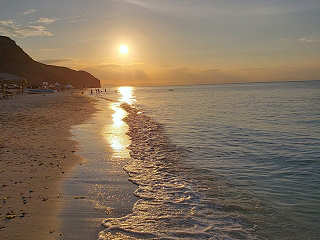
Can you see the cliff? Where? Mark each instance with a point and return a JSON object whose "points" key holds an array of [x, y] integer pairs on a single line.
{"points": [[15, 61]]}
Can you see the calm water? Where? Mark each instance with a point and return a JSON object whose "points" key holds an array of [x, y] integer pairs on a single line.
{"points": [[239, 161]]}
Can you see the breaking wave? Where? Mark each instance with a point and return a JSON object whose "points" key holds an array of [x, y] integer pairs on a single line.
{"points": [[173, 203]]}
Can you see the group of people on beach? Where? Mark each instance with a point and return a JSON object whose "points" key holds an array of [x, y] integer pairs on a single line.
{"points": [[98, 91]]}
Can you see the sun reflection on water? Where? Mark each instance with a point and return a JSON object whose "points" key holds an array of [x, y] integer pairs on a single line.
{"points": [[117, 116], [116, 144], [126, 95], [118, 139]]}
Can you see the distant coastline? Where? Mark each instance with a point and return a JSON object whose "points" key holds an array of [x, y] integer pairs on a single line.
{"points": [[14, 60]]}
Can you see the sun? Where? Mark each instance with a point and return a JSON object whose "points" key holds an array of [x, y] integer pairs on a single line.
{"points": [[123, 49]]}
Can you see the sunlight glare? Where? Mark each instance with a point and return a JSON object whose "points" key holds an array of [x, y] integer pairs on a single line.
{"points": [[118, 139], [123, 49], [117, 116], [126, 94], [116, 143]]}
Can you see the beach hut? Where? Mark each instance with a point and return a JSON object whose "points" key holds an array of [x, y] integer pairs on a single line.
{"points": [[11, 78], [11, 81]]}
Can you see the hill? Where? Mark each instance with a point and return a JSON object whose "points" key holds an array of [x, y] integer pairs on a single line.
{"points": [[15, 61]]}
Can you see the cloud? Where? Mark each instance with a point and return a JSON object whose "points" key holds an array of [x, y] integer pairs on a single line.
{"points": [[149, 75], [187, 75], [6, 23], [220, 7], [138, 3], [138, 75], [46, 20], [29, 11], [115, 74], [308, 40], [110, 66], [10, 28], [48, 49], [56, 61]]}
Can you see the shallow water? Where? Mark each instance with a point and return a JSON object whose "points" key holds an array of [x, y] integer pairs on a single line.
{"points": [[98, 186], [236, 161]]}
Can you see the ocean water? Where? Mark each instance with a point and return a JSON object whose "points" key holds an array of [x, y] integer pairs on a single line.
{"points": [[234, 161]]}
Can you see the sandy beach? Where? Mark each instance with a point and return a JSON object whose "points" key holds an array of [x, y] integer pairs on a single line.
{"points": [[36, 151], [162, 120]]}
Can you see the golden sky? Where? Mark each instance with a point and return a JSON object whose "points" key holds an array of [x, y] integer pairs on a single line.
{"points": [[171, 41]]}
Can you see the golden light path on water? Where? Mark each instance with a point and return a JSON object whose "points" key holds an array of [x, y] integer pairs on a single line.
{"points": [[118, 139], [127, 95]]}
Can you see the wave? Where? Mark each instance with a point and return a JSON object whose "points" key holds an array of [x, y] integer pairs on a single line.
{"points": [[172, 203]]}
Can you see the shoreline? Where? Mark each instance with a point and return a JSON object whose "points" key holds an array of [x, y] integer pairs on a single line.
{"points": [[36, 151], [98, 188]]}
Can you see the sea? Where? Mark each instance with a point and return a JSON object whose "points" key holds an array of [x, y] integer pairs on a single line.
{"points": [[231, 161]]}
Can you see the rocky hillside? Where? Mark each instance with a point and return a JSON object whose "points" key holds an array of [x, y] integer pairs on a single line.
{"points": [[15, 61]]}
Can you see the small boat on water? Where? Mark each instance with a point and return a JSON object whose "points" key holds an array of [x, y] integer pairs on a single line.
{"points": [[39, 91]]}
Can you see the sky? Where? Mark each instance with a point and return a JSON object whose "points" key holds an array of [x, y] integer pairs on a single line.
{"points": [[171, 42]]}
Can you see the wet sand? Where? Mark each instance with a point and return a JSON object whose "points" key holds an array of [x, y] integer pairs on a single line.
{"points": [[36, 151], [98, 188]]}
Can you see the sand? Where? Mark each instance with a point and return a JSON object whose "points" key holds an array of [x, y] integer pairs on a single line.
{"points": [[100, 177], [35, 152]]}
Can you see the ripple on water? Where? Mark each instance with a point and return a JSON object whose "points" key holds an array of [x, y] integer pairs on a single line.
{"points": [[172, 204]]}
